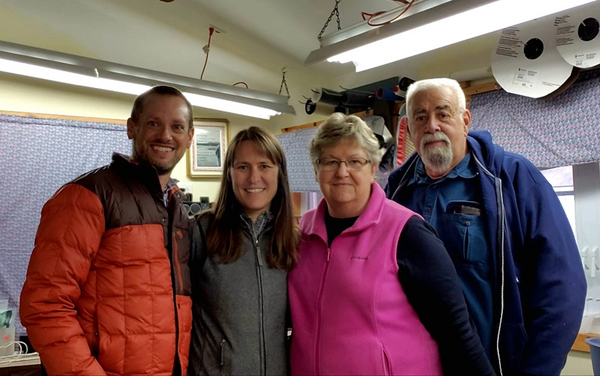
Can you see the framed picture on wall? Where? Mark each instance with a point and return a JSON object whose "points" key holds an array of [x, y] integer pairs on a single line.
{"points": [[206, 155]]}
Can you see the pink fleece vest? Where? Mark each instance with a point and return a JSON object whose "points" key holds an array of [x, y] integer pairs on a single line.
{"points": [[350, 315]]}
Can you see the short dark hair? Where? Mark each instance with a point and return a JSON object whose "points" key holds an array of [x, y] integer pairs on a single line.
{"points": [[138, 104]]}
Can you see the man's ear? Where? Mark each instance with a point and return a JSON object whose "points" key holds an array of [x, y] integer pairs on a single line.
{"points": [[130, 129], [190, 138], [467, 120]]}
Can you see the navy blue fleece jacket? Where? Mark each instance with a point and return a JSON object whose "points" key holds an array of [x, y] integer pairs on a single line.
{"points": [[539, 282]]}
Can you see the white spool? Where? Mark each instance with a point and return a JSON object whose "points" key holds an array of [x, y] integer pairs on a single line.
{"points": [[526, 61], [578, 35]]}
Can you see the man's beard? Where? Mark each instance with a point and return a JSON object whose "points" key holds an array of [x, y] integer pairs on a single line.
{"points": [[436, 157]]}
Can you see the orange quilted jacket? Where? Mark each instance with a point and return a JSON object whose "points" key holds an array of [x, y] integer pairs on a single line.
{"points": [[107, 288]]}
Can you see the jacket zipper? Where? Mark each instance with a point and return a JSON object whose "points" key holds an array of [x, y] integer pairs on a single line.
{"points": [[177, 362], [222, 362], [320, 300], [260, 300], [502, 277], [501, 219]]}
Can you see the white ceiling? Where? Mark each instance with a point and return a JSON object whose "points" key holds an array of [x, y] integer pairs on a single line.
{"points": [[260, 37]]}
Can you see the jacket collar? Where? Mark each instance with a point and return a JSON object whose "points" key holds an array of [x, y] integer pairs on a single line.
{"points": [[262, 224], [369, 217], [142, 173], [480, 144], [463, 169]]}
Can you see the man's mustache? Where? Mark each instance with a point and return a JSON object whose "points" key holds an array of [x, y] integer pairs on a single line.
{"points": [[439, 136]]}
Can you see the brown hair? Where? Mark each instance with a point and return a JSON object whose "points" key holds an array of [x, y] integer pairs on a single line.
{"points": [[138, 104], [224, 236]]}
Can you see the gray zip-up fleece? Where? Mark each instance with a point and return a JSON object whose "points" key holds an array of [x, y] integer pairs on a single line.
{"points": [[240, 309]]}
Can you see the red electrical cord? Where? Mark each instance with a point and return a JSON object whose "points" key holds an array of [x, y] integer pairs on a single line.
{"points": [[373, 15], [211, 30]]}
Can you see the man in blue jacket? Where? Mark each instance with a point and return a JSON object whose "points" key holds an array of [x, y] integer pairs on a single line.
{"points": [[502, 225]]}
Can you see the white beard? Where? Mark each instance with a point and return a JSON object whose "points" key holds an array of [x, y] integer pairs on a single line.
{"points": [[438, 158]]}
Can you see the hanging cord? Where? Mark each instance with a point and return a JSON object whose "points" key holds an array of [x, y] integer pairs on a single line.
{"points": [[337, 14], [206, 49], [241, 83], [373, 15], [284, 83]]}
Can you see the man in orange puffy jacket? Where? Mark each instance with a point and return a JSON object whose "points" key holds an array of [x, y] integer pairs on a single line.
{"points": [[107, 288]]}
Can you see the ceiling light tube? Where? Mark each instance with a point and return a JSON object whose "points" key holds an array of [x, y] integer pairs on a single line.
{"points": [[443, 25], [97, 74], [362, 27]]}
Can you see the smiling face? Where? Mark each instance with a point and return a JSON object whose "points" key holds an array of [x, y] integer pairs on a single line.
{"points": [[254, 179], [438, 129], [161, 133], [347, 192]]}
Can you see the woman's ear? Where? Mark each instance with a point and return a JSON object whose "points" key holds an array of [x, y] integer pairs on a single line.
{"points": [[374, 169]]}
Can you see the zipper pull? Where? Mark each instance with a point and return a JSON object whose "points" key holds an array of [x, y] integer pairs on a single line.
{"points": [[328, 253], [222, 352], [258, 254]]}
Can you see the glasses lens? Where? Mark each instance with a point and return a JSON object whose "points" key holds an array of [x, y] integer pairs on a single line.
{"points": [[329, 164], [352, 164], [356, 163]]}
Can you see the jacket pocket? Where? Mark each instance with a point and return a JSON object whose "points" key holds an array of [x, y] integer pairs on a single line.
{"points": [[464, 238], [387, 367]]}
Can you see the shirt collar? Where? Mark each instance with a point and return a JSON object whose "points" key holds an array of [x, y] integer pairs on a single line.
{"points": [[463, 169], [261, 222], [170, 185]]}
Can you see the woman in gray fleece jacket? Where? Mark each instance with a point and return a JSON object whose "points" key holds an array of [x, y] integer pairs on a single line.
{"points": [[239, 258]]}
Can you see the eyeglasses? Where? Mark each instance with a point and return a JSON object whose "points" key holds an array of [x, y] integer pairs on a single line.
{"points": [[332, 164]]}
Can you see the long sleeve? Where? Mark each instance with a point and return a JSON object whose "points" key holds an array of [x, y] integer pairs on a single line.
{"points": [[67, 239], [433, 288], [552, 282], [198, 251], [198, 256]]}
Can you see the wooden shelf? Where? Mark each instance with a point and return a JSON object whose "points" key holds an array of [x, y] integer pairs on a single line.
{"points": [[317, 123], [580, 344]]}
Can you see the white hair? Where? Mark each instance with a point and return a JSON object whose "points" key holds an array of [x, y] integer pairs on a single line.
{"points": [[436, 83]]}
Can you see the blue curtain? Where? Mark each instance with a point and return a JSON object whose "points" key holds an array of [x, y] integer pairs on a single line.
{"points": [[561, 131], [38, 156]]}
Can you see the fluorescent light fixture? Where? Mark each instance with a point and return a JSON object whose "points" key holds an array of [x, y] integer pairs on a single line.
{"points": [[448, 23], [65, 77], [80, 71]]}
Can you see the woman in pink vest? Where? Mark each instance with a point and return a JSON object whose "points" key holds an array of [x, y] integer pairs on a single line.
{"points": [[374, 292]]}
